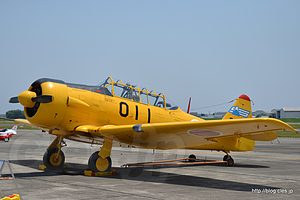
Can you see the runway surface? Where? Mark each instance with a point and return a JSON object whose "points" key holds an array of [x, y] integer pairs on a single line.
{"points": [[270, 171]]}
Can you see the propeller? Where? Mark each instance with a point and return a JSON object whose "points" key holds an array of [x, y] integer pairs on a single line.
{"points": [[28, 98], [32, 99]]}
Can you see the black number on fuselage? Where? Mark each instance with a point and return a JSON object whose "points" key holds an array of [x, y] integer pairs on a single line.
{"points": [[149, 115], [122, 113], [136, 112]]}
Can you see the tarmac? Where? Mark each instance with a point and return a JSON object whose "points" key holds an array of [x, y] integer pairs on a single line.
{"points": [[270, 171]]}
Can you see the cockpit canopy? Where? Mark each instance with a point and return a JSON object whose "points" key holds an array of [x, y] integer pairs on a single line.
{"points": [[134, 93]]}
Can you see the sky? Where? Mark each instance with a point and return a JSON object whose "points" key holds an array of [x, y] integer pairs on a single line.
{"points": [[212, 51]]}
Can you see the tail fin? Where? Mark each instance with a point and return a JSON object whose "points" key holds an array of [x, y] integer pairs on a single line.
{"points": [[189, 106], [15, 127], [240, 109]]}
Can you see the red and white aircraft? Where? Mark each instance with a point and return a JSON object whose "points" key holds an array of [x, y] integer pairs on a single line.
{"points": [[5, 133]]}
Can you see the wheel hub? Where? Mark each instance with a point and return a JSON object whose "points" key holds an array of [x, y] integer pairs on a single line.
{"points": [[102, 164], [54, 161]]}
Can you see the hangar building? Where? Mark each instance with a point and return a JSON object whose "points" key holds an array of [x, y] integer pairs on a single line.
{"points": [[286, 113]]}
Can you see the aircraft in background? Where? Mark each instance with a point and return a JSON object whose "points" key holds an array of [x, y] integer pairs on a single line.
{"points": [[115, 111], [5, 133]]}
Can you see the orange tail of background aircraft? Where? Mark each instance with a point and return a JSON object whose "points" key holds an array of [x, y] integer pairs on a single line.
{"points": [[240, 109]]}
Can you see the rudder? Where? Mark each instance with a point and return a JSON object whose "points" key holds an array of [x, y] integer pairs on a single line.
{"points": [[240, 109], [15, 127]]}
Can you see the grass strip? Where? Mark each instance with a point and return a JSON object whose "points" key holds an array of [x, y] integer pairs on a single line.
{"points": [[287, 134]]}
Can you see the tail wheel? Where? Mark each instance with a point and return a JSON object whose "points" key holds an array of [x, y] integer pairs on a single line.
{"points": [[193, 158], [98, 164], [52, 160], [230, 161]]}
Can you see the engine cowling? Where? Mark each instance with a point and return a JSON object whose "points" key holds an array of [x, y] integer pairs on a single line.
{"points": [[45, 102]]}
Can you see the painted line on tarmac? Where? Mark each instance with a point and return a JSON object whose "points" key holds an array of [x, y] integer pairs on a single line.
{"points": [[267, 157], [277, 150]]}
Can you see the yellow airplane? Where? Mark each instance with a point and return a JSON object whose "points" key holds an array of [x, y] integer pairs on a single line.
{"points": [[114, 111]]}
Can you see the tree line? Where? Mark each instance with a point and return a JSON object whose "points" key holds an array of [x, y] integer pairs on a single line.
{"points": [[15, 114]]}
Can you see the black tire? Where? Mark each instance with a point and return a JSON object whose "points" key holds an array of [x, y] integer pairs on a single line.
{"points": [[6, 139], [49, 161], [99, 168], [230, 161], [193, 158]]}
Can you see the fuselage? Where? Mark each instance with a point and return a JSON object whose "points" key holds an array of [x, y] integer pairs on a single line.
{"points": [[6, 133]]}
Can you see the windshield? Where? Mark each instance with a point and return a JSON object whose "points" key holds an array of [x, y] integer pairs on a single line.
{"points": [[134, 93]]}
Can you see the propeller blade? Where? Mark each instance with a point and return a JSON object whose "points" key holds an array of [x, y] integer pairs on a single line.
{"points": [[42, 99], [14, 100]]}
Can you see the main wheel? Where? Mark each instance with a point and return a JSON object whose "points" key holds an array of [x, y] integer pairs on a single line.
{"points": [[230, 161], [6, 139], [98, 164], [50, 160], [193, 157]]}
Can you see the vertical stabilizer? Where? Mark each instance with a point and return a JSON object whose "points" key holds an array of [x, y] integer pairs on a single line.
{"points": [[189, 106], [240, 109], [15, 127]]}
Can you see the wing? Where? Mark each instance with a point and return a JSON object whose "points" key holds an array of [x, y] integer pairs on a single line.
{"points": [[26, 122], [189, 134]]}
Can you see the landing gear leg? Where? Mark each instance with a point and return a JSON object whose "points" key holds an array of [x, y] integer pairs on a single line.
{"points": [[54, 158], [100, 161], [228, 159]]}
